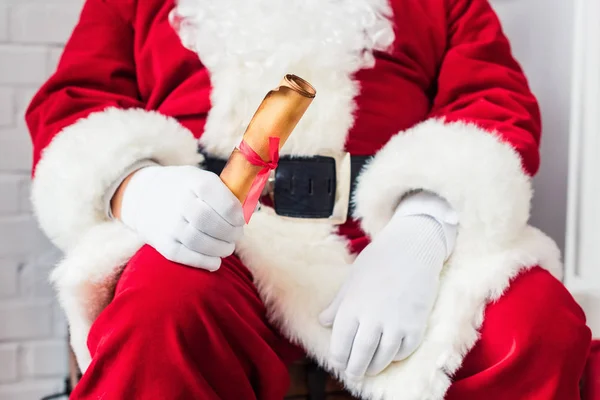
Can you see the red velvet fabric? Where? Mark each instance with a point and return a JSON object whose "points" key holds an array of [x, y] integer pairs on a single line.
{"points": [[591, 377], [174, 332], [450, 60], [534, 345]]}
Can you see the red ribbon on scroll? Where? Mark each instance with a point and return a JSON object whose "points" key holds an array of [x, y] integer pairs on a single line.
{"points": [[263, 176]]}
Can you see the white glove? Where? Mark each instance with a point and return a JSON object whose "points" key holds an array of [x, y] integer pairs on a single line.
{"points": [[187, 214], [381, 312]]}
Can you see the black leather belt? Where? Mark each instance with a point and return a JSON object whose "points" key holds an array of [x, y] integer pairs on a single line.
{"points": [[310, 187]]}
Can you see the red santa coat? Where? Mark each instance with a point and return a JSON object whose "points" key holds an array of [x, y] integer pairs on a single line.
{"points": [[429, 87]]}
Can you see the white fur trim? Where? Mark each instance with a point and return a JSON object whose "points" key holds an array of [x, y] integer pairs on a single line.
{"points": [[248, 46], [71, 179], [474, 170], [298, 269], [82, 161], [85, 280], [299, 265]]}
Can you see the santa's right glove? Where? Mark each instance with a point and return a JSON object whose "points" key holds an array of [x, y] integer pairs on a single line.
{"points": [[187, 214]]}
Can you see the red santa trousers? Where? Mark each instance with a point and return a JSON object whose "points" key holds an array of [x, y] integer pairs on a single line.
{"points": [[591, 376], [174, 332]]}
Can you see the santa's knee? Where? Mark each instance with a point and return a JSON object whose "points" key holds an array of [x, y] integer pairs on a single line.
{"points": [[160, 295], [539, 315]]}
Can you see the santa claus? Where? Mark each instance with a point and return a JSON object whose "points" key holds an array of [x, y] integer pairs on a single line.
{"points": [[431, 286]]}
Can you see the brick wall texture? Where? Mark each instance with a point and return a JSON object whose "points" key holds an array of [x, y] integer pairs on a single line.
{"points": [[33, 352]]}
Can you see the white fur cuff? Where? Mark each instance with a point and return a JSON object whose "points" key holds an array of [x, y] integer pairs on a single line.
{"points": [[84, 159], [478, 174]]}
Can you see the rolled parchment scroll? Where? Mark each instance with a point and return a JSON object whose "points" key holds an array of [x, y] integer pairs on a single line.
{"points": [[276, 117]]}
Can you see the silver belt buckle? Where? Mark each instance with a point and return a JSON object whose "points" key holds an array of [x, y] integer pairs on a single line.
{"points": [[343, 177]]}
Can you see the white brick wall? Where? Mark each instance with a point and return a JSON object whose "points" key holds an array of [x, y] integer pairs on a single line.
{"points": [[41, 22], [3, 21], [22, 65], [6, 106], [43, 358], [33, 352], [9, 354]]}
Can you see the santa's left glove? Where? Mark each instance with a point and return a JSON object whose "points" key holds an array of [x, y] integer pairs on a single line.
{"points": [[380, 314]]}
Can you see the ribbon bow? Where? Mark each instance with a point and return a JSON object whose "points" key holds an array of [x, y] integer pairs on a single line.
{"points": [[263, 176]]}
